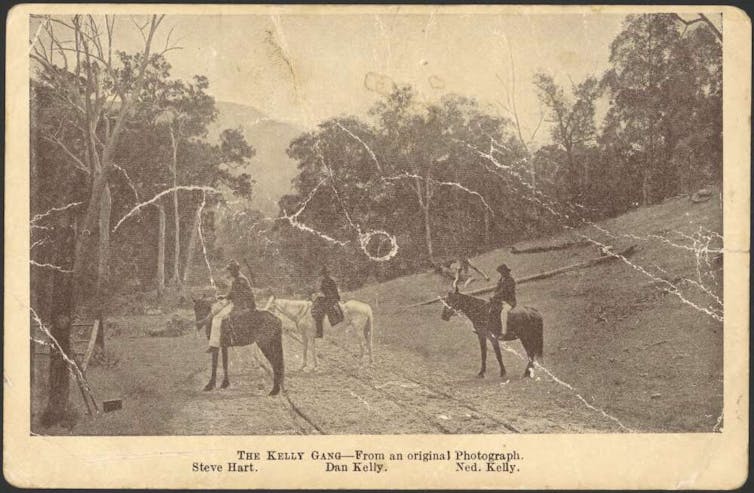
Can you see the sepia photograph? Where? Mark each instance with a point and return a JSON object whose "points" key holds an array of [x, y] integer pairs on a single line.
{"points": [[375, 222]]}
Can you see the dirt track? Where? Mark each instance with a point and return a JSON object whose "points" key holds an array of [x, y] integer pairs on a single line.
{"points": [[622, 354], [397, 394]]}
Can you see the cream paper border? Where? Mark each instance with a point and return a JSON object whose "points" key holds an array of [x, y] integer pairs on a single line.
{"points": [[611, 461]]}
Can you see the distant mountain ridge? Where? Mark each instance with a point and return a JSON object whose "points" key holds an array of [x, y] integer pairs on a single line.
{"points": [[271, 167]]}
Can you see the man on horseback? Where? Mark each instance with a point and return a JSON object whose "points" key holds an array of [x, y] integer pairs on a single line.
{"points": [[327, 303], [502, 301], [239, 299]]}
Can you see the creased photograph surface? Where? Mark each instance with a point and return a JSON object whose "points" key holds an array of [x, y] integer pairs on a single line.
{"points": [[433, 239]]}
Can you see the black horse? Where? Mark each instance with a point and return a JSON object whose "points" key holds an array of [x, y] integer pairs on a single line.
{"points": [[262, 327], [524, 323]]}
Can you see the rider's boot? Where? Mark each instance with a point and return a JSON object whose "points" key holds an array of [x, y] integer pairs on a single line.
{"points": [[320, 330]]}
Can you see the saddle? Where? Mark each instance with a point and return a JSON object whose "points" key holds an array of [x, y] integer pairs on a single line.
{"points": [[494, 325], [335, 314], [238, 329], [322, 307]]}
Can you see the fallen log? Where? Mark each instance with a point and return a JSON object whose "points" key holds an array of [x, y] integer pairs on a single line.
{"points": [[549, 248], [544, 275]]}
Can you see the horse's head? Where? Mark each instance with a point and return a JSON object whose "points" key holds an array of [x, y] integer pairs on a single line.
{"points": [[450, 303], [202, 311]]}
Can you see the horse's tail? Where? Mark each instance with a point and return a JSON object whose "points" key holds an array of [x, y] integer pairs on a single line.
{"points": [[272, 348], [279, 363]]}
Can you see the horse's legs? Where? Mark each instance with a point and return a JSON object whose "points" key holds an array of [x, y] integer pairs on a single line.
{"points": [[362, 341], [211, 384], [273, 351], [531, 354], [313, 341], [226, 381], [368, 337], [499, 356], [483, 348], [529, 370], [306, 341]]}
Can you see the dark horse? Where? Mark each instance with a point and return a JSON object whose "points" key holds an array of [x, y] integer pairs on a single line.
{"points": [[524, 323], [267, 332]]}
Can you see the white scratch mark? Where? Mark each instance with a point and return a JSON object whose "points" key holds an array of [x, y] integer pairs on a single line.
{"points": [[50, 266], [73, 366], [718, 425], [39, 31], [165, 192], [201, 239], [38, 243], [54, 209], [368, 149], [361, 399], [293, 219], [128, 179]]}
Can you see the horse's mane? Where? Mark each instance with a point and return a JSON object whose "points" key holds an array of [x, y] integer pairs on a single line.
{"points": [[475, 300]]}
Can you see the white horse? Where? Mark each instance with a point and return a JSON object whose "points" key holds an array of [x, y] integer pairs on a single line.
{"points": [[356, 315]]}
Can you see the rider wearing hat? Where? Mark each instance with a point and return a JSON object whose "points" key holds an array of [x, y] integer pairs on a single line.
{"points": [[504, 298], [327, 303], [240, 297]]}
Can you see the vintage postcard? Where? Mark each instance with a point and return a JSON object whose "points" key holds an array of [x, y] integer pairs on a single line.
{"points": [[464, 247]]}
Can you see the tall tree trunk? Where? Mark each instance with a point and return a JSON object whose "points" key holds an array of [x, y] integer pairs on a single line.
{"points": [[428, 233], [533, 176], [191, 247], [176, 214], [486, 226], [75, 248], [422, 197], [649, 168], [62, 312], [85, 232], [573, 175], [585, 182], [427, 218], [103, 263], [535, 209], [645, 187], [160, 273]]}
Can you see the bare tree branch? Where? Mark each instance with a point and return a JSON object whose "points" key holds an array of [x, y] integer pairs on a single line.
{"points": [[140, 28], [539, 124], [712, 26], [702, 18], [78, 163]]}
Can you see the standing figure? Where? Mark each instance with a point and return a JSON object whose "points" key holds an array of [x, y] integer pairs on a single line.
{"points": [[239, 298], [327, 303], [462, 267], [502, 301]]}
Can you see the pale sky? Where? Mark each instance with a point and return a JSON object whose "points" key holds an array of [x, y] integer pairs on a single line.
{"points": [[244, 57], [331, 56]]}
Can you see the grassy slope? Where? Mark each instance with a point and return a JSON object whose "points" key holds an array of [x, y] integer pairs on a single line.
{"points": [[642, 355], [638, 352]]}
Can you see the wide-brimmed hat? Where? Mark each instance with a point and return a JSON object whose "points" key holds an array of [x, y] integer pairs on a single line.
{"points": [[503, 269], [233, 266]]}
